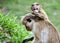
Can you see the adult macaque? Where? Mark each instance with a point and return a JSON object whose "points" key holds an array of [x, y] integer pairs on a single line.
{"points": [[39, 24]]}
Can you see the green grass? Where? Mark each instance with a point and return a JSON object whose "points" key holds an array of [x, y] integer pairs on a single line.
{"points": [[21, 7], [11, 30]]}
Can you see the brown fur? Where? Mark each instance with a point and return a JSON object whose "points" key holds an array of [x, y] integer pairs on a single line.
{"points": [[41, 27]]}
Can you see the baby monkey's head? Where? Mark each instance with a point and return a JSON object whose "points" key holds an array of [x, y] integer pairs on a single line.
{"points": [[35, 6]]}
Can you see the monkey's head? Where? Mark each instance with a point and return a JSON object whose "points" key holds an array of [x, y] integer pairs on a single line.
{"points": [[28, 21], [35, 6]]}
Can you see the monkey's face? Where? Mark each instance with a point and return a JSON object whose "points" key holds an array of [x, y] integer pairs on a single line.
{"points": [[28, 22], [35, 6]]}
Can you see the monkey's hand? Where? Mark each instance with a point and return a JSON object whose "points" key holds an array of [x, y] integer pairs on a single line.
{"points": [[35, 12], [38, 14]]}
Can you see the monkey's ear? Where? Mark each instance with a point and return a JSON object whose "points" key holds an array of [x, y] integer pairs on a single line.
{"points": [[22, 18]]}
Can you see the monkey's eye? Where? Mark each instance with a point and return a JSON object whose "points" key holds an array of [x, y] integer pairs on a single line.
{"points": [[32, 5], [29, 20], [37, 4]]}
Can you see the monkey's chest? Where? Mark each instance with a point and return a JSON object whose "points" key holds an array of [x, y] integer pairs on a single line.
{"points": [[43, 35]]}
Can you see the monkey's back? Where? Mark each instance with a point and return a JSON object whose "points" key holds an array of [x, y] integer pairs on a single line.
{"points": [[46, 32]]}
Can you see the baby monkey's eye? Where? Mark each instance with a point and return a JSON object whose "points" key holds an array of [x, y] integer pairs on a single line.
{"points": [[32, 5], [29, 20]]}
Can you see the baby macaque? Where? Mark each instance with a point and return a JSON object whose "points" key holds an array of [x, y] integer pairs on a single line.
{"points": [[38, 11]]}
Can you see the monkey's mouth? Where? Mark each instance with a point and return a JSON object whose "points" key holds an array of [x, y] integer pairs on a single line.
{"points": [[28, 28]]}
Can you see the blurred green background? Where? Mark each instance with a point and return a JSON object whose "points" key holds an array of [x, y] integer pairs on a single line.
{"points": [[11, 29]]}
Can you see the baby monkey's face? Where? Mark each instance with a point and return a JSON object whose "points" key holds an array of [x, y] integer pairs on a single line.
{"points": [[35, 6]]}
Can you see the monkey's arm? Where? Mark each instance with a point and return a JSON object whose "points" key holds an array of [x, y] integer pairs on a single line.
{"points": [[28, 39], [42, 14]]}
